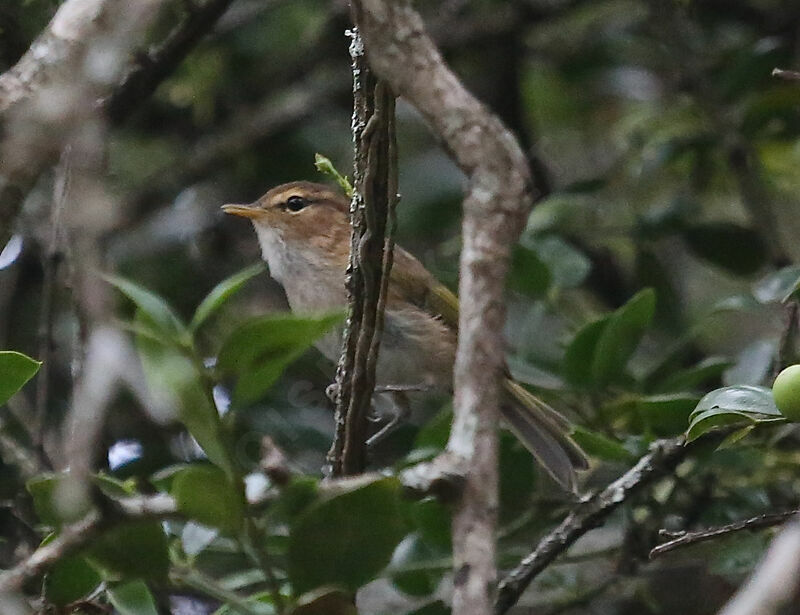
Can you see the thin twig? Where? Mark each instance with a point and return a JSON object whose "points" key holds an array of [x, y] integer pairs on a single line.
{"points": [[784, 354], [52, 259], [156, 65], [375, 183], [210, 587], [499, 197], [80, 534], [773, 587], [684, 539], [664, 455], [789, 75]]}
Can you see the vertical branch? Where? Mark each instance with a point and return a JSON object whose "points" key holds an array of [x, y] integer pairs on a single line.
{"points": [[371, 216], [499, 197]]}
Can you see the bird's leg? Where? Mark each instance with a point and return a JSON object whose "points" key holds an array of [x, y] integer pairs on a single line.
{"points": [[402, 409]]}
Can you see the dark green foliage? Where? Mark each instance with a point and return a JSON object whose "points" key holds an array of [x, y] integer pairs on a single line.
{"points": [[650, 294]]}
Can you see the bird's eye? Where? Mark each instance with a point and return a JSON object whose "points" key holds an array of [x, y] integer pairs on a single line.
{"points": [[295, 203]]}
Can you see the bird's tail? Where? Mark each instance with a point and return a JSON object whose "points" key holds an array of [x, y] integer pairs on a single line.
{"points": [[545, 433]]}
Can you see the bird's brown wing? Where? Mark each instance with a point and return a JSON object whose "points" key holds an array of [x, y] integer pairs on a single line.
{"points": [[543, 431]]}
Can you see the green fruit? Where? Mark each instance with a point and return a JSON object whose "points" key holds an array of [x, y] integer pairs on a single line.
{"points": [[786, 391]]}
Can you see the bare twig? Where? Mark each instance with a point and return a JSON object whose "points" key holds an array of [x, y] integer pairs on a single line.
{"points": [[56, 84], [789, 75], [52, 258], [372, 218], [664, 455], [156, 65], [78, 535], [56, 53], [499, 197], [784, 354], [684, 539], [775, 584], [69, 541]]}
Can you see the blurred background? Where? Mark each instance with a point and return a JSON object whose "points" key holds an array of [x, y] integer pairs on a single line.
{"points": [[666, 157]]}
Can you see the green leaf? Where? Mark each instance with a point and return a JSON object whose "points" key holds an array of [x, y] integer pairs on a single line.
{"points": [[413, 550], [132, 598], [579, 356], [204, 493], [738, 249], [621, 336], [778, 286], [15, 370], [260, 350], [69, 580], [175, 382], [432, 520], [347, 539], [688, 379], [220, 294], [666, 415], [295, 497], [568, 267], [600, 446], [157, 311], [528, 273], [133, 549], [324, 165], [52, 501], [729, 405], [517, 477]]}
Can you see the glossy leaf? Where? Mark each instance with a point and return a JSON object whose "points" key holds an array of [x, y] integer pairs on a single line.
{"points": [[15, 370], [132, 598], [54, 507], [691, 378], [133, 549], [69, 580], [204, 493], [260, 350], [568, 266], [220, 294], [347, 538], [666, 415], [411, 551], [517, 477], [175, 381], [432, 520], [157, 311], [528, 273], [729, 405], [620, 337], [579, 356]]}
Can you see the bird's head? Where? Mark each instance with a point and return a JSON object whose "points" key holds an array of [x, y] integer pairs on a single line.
{"points": [[300, 222]]}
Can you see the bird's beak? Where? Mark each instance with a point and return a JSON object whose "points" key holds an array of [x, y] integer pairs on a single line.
{"points": [[246, 211]]}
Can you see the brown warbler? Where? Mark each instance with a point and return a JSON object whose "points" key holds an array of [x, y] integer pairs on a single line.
{"points": [[304, 232]]}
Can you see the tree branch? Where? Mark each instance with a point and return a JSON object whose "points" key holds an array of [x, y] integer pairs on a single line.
{"points": [[35, 130], [372, 219], [775, 584], [664, 455], [156, 65], [684, 539], [498, 199]]}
